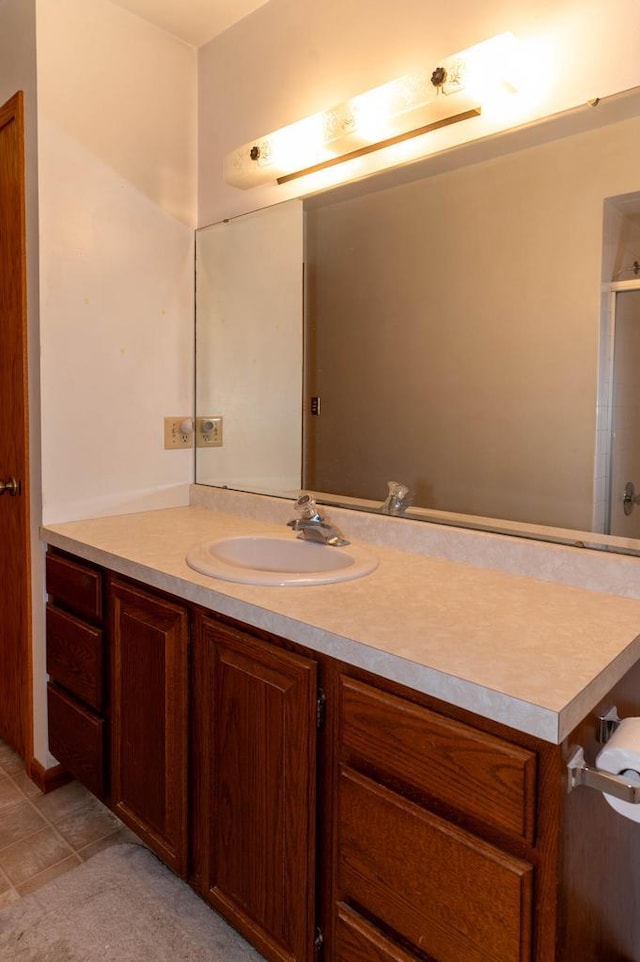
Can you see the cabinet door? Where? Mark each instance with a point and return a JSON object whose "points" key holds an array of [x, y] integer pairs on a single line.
{"points": [[149, 719], [258, 711]]}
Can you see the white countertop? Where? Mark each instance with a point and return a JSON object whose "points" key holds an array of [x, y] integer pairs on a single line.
{"points": [[534, 655]]}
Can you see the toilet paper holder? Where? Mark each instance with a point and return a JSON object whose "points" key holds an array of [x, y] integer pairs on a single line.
{"points": [[607, 724], [582, 774]]}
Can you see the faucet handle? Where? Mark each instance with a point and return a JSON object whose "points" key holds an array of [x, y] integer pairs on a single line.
{"points": [[312, 526], [306, 507], [398, 498], [397, 490]]}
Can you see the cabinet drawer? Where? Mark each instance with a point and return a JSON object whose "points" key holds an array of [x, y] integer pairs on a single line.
{"points": [[359, 941], [77, 739], [75, 656], [478, 774], [448, 893], [75, 586]]}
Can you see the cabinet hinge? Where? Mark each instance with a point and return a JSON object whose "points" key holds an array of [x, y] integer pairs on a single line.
{"points": [[318, 943], [321, 709]]}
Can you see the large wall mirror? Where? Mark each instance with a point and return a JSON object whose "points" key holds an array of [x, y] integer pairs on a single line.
{"points": [[469, 325]]}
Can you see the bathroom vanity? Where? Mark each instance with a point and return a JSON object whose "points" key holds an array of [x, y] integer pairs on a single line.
{"points": [[372, 771]]}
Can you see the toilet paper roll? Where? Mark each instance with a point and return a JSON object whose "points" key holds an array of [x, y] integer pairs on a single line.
{"points": [[621, 756]]}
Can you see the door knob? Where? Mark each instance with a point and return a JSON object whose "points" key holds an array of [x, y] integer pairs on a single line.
{"points": [[10, 486]]}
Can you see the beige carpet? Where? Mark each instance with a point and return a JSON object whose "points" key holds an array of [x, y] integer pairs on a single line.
{"points": [[122, 905]]}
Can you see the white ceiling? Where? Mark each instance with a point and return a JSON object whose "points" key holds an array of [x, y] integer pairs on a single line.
{"points": [[194, 21]]}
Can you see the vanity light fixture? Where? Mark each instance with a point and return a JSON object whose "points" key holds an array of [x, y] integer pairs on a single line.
{"points": [[456, 90]]}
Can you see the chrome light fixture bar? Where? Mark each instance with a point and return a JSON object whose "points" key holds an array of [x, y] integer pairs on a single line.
{"points": [[409, 107]]}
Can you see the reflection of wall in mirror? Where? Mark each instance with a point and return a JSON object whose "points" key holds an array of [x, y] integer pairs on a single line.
{"points": [[249, 348], [456, 323]]}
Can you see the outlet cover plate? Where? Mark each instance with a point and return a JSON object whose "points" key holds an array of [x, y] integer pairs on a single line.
{"points": [[174, 436], [209, 432]]}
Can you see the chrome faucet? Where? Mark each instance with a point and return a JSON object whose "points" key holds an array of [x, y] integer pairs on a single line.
{"points": [[312, 526], [398, 499]]}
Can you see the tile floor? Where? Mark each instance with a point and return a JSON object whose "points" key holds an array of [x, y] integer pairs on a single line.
{"points": [[42, 836]]}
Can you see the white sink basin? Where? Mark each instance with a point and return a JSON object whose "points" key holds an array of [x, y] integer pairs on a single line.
{"points": [[258, 560]]}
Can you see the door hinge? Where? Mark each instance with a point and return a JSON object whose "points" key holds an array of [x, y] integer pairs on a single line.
{"points": [[321, 709], [318, 943]]}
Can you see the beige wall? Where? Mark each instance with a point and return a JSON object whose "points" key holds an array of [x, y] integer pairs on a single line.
{"points": [[117, 168], [457, 320]]}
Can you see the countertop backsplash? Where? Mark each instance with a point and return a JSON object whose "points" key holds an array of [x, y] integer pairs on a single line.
{"points": [[595, 570]]}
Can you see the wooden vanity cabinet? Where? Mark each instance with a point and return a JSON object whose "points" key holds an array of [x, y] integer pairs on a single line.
{"points": [[117, 710], [435, 834], [149, 721], [402, 830], [255, 760], [76, 664]]}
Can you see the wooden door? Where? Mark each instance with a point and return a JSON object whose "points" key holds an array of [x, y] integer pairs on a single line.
{"points": [[15, 598], [149, 725], [257, 708]]}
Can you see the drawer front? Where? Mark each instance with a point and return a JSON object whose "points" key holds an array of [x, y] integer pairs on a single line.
{"points": [[77, 738], [75, 656], [75, 586], [358, 941], [448, 893], [478, 774]]}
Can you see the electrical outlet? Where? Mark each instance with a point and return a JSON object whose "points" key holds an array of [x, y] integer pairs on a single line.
{"points": [[178, 433], [209, 432]]}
